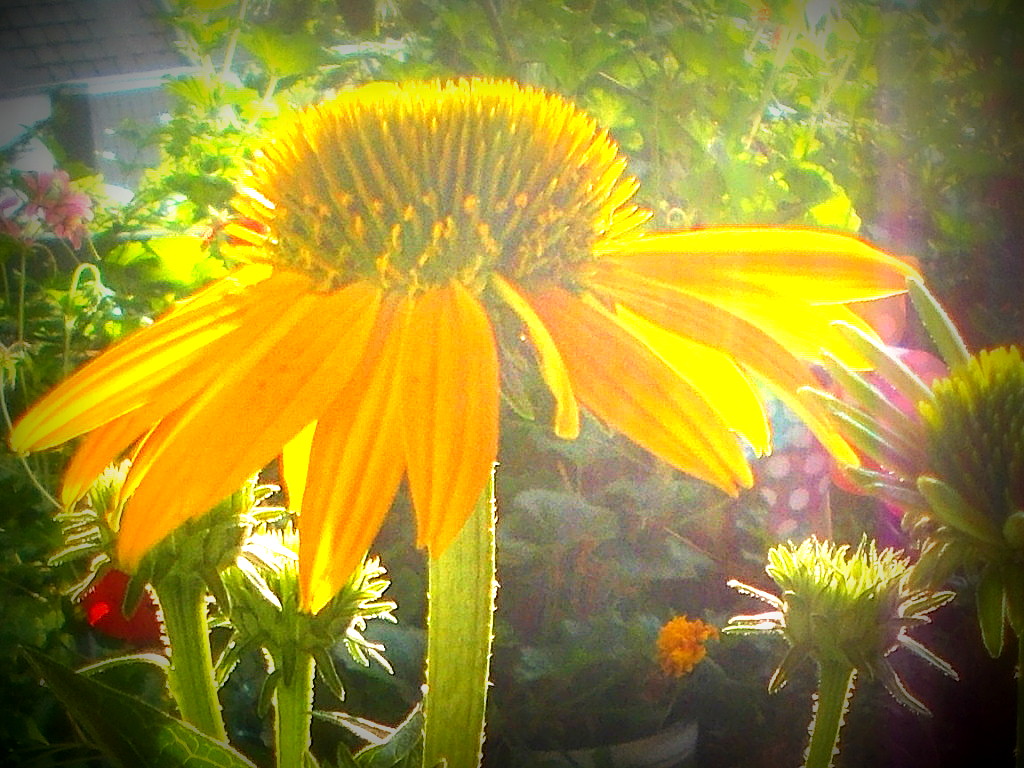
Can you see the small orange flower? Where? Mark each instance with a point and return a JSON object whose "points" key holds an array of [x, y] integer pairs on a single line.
{"points": [[681, 644]]}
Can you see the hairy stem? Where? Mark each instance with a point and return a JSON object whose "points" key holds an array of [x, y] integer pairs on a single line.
{"points": [[459, 627], [190, 676], [293, 714], [835, 686], [1019, 751]]}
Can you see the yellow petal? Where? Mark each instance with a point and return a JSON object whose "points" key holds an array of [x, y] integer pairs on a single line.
{"points": [[813, 265], [755, 350], [135, 370], [237, 281], [552, 368], [356, 464], [275, 384], [295, 465], [449, 376], [630, 388], [711, 372], [806, 330], [101, 447]]}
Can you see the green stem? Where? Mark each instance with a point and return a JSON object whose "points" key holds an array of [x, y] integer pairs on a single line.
{"points": [[1019, 752], [459, 627], [190, 676], [835, 685], [6, 412], [293, 714]]}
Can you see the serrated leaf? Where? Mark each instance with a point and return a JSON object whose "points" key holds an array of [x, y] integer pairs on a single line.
{"points": [[894, 685], [403, 749], [938, 324], [328, 672], [267, 690], [928, 655], [1013, 589], [343, 758], [131, 732], [215, 583], [154, 659], [367, 730], [284, 54], [991, 610], [950, 508], [792, 661], [906, 382]]}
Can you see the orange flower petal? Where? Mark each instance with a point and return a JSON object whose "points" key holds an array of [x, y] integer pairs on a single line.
{"points": [[711, 372], [295, 465], [275, 384], [813, 265], [746, 343], [356, 464], [629, 387], [135, 370], [552, 368], [804, 328], [101, 447], [449, 374]]}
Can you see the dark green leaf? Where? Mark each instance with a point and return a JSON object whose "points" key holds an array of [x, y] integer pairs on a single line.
{"points": [[131, 732], [991, 610], [402, 750]]}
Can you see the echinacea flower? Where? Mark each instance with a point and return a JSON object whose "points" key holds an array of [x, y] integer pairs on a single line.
{"points": [[843, 608], [845, 612], [396, 228], [681, 644], [954, 463]]}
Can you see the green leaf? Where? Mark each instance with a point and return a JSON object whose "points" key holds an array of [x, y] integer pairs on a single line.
{"points": [[925, 653], [893, 370], [175, 260], [938, 324], [991, 610], [1013, 588], [403, 749], [131, 732], [950, 508], [284, 54]]}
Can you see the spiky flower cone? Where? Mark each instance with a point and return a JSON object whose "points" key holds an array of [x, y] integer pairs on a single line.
{"points": [[845, 611]]}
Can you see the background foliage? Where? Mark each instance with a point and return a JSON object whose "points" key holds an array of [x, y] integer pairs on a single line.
{"points": [[899, 120]]}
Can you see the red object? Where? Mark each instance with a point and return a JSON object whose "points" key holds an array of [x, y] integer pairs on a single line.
{"points": [[102, 604]]}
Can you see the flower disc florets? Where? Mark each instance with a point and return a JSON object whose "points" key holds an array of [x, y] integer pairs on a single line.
{"points": [[420, 183], [974, 429]]}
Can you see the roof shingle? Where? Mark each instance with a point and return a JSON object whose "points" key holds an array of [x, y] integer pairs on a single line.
{"points": [[46, 42]]}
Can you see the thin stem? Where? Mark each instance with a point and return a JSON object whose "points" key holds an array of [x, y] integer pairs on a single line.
{"points": [[293, 714], [24, 461], [499, 32], [69, 318], [782, 52], [21, 297], [229, 54], [459, 627], [190, 677], [1019, 751], [835, 685]]}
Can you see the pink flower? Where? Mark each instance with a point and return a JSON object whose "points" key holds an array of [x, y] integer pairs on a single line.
{"points": [[64, 209], [15, 219]]}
